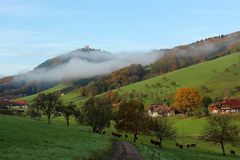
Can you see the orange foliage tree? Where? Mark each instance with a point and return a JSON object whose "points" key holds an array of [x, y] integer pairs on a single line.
{"points": [[186, 100]]}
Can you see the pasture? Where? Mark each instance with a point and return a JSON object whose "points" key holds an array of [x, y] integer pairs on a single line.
{"points": [[27, 139], [37, 140], [188, 131]]}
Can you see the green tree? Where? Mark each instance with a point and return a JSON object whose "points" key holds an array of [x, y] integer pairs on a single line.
{"points": [[67, 111], [80, 116], [48, 104], [162, 128], [206, 101], [132, 118], [221, 129], [98, 113]]}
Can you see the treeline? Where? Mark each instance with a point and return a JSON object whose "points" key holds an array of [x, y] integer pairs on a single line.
{"points": [[122, 77], [15, 89]]}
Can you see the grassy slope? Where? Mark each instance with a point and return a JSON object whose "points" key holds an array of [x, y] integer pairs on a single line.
{"points": [[189, 128], [26, 139], [213, 74], [53, 89]]}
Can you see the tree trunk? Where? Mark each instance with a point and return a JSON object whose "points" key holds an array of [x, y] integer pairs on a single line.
{"points": [[135, 137], [223, 149], [67, 121], [49, 119], [160, 141]]}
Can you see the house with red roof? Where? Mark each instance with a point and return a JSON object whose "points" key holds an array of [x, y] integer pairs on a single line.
{"points": [[20, 104], [226, 106]]}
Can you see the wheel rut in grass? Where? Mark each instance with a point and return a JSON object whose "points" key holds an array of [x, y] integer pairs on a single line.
{"points": [[124, 151]]}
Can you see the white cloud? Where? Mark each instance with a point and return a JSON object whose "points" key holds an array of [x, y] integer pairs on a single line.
{"points": [[79, 68]]}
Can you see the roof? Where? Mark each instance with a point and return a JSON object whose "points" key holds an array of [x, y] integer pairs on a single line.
{"points": [[233, 103], [159, 107], [20, 102]]}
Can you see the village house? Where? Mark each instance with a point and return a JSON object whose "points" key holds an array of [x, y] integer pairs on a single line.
{"points": [[20, 104], [159, 109], [226, 106]]}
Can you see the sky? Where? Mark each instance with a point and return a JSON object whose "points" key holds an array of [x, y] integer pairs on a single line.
{"points": [[32, 31]]}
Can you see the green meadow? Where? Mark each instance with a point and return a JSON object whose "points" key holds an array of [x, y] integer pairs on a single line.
{"points": [[27, 139], [189, 130]]}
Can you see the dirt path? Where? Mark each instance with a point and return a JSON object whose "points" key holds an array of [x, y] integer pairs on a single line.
{"points": [[124, 151]]}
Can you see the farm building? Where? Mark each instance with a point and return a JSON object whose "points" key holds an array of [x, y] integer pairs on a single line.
{"points": [[159, 109], [20, 104], [226, 106]]}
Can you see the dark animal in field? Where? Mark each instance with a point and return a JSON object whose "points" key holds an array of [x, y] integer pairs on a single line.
{"points": [[116, 135], [181, 146], [155, 143], [126, 136], [232, 152], [104, 132], [188, 145], [193, 145]]}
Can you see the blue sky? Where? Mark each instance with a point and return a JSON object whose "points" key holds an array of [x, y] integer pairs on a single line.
{"points": [[32, 31]]}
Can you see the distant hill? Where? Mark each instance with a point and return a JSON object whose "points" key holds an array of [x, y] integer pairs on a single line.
{"points": [[215, 78], [86, 53], [167, 60]]}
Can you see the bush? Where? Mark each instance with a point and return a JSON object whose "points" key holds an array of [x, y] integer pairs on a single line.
{"points": [[6, 112], [173, 83], [33, 113]]}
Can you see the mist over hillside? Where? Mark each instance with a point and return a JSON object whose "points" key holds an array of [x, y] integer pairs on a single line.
{"points": [[115, 69], [85, 63]]}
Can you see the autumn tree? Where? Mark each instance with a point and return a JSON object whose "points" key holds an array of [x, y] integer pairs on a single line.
{"points": [[132, 118], [98, 113], [113, 97], [162, 128], [47, 104], [186, 100], [67, 111], [221, 129]]}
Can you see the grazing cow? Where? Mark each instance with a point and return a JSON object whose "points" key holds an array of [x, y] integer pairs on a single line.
{"points": [[181, 146], [126, 136], [116, 135], [232, 152], [188, 146], [155, 143], [193, 145]]}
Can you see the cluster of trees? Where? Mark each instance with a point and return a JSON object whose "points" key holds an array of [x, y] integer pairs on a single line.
{"points": [[51, 105], [125, 76], [97, 112]]}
